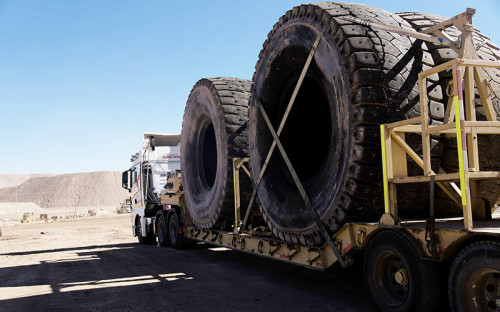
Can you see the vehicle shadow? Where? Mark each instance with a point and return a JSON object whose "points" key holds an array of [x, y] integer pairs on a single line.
{"points": [[130, 277]]}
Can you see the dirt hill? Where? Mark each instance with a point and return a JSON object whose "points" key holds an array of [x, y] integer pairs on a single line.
{"points": [[69, 190], [8, 180]]}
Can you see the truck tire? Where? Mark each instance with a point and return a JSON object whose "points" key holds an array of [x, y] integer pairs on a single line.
{"points": [[489, 145], [162, 229], [360, 77], [214, 130], [475, 278], [174, 233], [138, 232], [395, 276]]}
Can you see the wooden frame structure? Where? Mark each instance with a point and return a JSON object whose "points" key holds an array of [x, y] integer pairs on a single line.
{"points": [[239, 163], [460, 121]]}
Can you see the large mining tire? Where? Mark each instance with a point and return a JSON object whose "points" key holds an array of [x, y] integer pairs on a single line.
{"points": [[359, 78], [489, 145], [214, 130]]}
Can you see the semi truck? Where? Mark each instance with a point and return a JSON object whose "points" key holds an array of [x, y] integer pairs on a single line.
{"points": [[401, 255], [154, 172]]}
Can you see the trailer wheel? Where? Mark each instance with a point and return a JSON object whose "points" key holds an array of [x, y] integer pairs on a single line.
{"points": [[162, 231], [474, 282], [396, 277], [174, 232]]}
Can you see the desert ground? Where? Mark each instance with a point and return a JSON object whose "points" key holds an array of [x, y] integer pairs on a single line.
{"points": [[95, 264]]}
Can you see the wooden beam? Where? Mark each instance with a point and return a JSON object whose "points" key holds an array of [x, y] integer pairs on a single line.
{"points": [[424, 112], [449, 188], [440, 129], [403, 123], [483, 89], [470, 114], [409, 128], [423, 179]]}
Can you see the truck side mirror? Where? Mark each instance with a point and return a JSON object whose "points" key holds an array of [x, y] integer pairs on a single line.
{"points": [[126, 180]]}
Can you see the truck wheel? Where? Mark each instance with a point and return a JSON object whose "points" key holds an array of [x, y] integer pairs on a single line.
{"points": [[138, 233], [162, 231], [174, 231], [395, 276], [474, 280]]}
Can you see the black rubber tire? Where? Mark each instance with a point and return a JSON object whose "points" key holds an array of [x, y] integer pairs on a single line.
{"points": [[390, 253], [174, 233], [162, 230], [360, 77], [489, 145], [214, 130], [142, 240], [475, 278]]}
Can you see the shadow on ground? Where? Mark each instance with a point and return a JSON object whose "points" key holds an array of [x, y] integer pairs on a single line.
{"points": [[129, 277]]}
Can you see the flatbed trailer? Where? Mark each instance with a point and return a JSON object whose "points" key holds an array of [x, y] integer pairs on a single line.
{"points": [[352, 237], [400, 256]]}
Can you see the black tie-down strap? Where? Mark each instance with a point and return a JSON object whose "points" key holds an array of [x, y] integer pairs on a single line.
{"points": [[322, 229]]}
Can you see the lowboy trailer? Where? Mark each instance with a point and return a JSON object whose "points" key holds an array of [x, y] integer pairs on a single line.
{"points": [[400, 256]]}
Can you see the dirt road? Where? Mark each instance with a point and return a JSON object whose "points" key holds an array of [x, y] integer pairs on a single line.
{"points": [[95, 264]]}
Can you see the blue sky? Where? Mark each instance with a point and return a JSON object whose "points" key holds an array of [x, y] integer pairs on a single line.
{"points": [[81, 80]]}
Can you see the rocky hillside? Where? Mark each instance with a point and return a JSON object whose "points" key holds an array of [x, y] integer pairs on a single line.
{"points": [[69, 190], [7, 180]]}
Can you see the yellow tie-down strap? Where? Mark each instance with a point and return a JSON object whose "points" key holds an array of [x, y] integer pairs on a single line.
{"points": [[460, 148], [384, 169]]}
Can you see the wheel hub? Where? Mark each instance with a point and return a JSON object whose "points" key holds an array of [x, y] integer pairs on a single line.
{"points": [[401, 277], [482, 290]]}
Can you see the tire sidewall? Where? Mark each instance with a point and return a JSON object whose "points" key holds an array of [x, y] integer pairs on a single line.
{"points": [[328, 66], [173, 225], [202, 108], [466, 263], [408, 257], [163, 239]]}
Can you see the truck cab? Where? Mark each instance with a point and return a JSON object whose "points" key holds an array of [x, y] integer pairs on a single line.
{"points": [[150, 175]]}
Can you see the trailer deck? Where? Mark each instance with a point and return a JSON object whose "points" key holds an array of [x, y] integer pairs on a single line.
{"points": [[351, 237]]}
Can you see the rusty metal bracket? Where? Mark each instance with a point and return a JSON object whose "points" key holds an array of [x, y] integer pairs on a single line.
{"points": [[205, 235], [260, 246], [294, 252], [273, 244], [215, 235], [315, 258]]}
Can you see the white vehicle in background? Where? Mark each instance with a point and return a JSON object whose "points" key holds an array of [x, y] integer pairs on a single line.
{"points": [[155, 171]]}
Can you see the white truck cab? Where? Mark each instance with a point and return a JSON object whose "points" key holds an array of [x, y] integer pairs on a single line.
{"points": [[153, 168]]}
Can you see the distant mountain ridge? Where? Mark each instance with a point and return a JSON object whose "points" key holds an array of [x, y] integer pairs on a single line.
{"points": [[101, 188]]}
